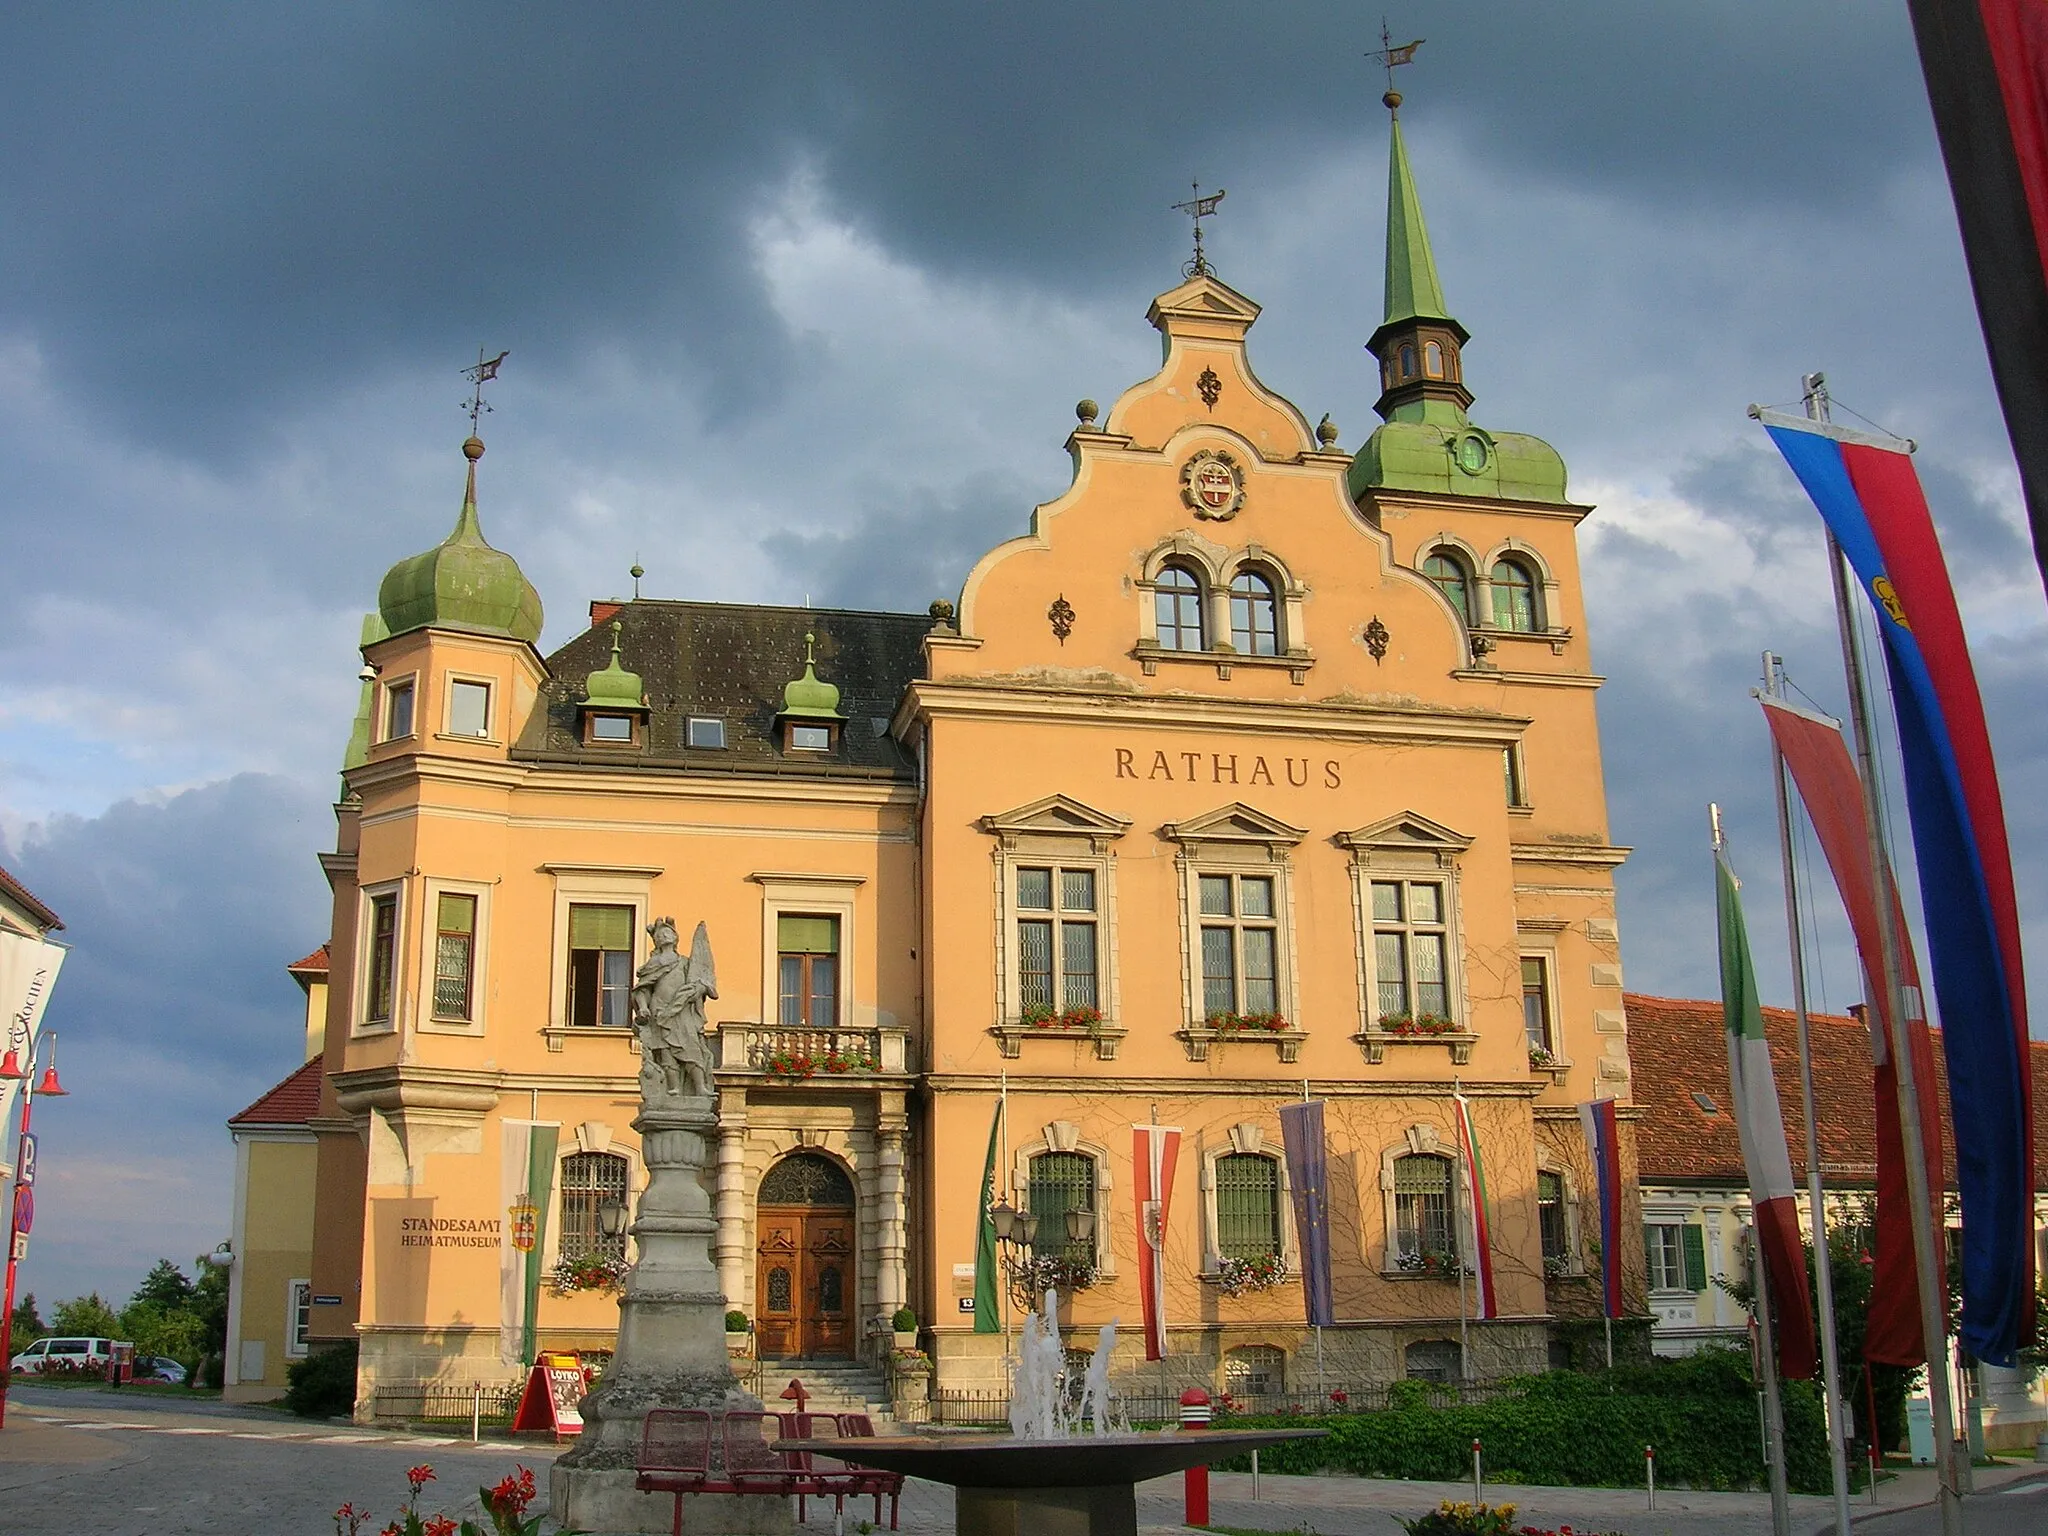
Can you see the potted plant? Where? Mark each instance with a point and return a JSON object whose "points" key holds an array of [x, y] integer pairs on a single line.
{"points": [[790, 1065], [1039, 1016], [904, 1326], [1081, 1016], [1540, 1058], [589, 1272], [1241, 1277], [739, 1333], [1416, 1024]]}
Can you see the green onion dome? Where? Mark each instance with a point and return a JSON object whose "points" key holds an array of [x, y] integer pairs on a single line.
{"points": [[462, 583]]}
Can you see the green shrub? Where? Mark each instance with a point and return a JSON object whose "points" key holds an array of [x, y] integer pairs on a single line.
{"points": [[905, 1320], [1576, 1431], [735, 1321], [323, 1385]]}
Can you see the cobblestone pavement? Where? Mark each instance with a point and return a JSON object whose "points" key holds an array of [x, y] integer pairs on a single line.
{"points": [[77, 1462]]}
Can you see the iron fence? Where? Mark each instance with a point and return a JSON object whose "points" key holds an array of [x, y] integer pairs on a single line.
{"points": [[446, 1404]]}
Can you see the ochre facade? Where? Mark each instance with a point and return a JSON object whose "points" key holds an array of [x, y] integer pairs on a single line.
{"points": [[1256, 769]]}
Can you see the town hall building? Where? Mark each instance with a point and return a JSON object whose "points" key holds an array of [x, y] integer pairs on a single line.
{"points": [[1253, 768]]}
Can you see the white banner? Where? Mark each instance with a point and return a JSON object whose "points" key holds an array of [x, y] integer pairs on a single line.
{"points": [[28, 974]]}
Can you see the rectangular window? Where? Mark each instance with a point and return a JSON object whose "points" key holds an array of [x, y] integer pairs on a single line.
{"points": [[1665, 1245], [1058, 956], [1422, 1207], [807, 950], [1550, 1217], [611, 728], [383, 959], [1536, 1002], [454, 955], [705, 732], [298, 1315], [1241, 952], [1060, 1182], [1247, 1205], [810, 738], [1410, 945], [469, 708], [1511, 758], [600, 966], [397, 710], [589, 1181]]}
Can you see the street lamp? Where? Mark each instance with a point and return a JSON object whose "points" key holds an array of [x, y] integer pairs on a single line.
{"points": [[21, 1209], [611, 1217]]}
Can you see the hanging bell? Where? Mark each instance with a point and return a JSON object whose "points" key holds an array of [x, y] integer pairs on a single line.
{"points": [[49, 1086], [10, 1065]]}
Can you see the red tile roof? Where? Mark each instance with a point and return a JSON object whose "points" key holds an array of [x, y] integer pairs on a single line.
{"points": [[294, 1101], [1677, 1048], [314, 964], [23, 897]]}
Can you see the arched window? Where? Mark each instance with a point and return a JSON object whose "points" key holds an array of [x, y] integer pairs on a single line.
{"points": [[1422, 1210], [1433, 359], [1059, 1182], [1247, 1205], [589, 1179], [1449, 574], [1254, 615], [1514, 596], [1255, 1370], [1177, 602], [1407, 362]]}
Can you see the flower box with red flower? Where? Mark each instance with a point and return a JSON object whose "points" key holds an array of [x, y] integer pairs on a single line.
{"points": [[1408, 1028], [1227, 1024]]}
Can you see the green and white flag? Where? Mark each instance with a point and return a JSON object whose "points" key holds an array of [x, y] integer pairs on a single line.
{"points": [[987, 1286], [526, 1183]]}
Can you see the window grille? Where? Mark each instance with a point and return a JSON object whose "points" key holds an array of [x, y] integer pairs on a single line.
{"points": [[588, 1180], [1240, 953], [1061, 1182], [454, 955], [1422, 1206], [807, 1178], [1247, 1205], [1058, 974], [1255, 1370], [1514, 596], [1433, 1360], [1550, 1216], [1409, 948]]}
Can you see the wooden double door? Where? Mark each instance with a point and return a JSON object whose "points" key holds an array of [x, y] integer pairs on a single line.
{"points": [[803, 1285]]}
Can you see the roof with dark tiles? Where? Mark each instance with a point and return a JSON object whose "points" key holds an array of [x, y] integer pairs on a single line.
{"points": [[25, 899], [1677, 1048], [732, 660], [294, 1101]]}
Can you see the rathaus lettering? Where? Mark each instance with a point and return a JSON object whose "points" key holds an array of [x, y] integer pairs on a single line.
{"points": [[1228, 768]]}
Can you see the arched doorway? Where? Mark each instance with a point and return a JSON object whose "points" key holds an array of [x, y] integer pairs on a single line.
{"points": [[803, 1267]]}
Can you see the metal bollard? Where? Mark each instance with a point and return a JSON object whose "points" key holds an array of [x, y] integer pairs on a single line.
{"points": [[1478, 1475], [1194, 1414], [1650, 1472], [476, 1414], [1255, 1476]]}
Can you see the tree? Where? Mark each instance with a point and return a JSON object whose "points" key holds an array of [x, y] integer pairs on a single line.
{"points": [[164, 1286], [209, 1306], [88, 1315], [27, 1325]]}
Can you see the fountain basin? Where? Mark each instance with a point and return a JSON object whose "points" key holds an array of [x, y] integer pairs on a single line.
{"points": [[1084, 1486]]}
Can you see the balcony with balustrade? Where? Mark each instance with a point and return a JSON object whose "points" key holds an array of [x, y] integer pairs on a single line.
{"points": [[786, 1055]]}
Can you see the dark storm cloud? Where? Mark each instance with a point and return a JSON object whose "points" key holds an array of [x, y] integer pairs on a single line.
{"points": [[902, 556], [208, 216]]}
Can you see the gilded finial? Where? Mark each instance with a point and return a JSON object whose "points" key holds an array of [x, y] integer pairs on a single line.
{"points": [[1393, 57], [636, 573]]}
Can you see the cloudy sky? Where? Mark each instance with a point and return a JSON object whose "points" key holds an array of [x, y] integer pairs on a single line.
{"points": [[799, 299]]}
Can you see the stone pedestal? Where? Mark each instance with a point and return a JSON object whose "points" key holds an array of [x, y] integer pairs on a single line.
{"points": [[671, 1350]]}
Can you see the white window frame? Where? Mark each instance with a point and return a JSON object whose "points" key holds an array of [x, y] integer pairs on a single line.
{"points": [[601, 886], [453, 680], [1546, 957], [812, 895], [1574, 1245], [1065, 1136], [1677, 1229], [298, 1335], [1236, 922], [366, 899], [387, 687], [1245, 1139], [1057, 833], [690, 724], [479, 957], [1236, 840]]}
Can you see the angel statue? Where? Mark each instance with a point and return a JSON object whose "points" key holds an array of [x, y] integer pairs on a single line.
{"points": [[669, 991]]}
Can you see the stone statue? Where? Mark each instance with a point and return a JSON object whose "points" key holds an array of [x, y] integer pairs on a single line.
{"points": [[669, 992]]}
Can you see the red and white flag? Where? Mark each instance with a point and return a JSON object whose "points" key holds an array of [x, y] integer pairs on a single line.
{"points": [[1477, 1211], [1153, 1152]]}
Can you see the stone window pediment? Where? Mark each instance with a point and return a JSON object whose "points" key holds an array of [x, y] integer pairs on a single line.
{"points": [[1407, 832], [1059, 816], [1234, 826]]}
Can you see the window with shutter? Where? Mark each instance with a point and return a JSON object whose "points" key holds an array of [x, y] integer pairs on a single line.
{"points": [[600, 965], [1695, 1258]]}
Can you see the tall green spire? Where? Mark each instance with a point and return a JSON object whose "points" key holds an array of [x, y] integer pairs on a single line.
{"points": [[1413, 291]]}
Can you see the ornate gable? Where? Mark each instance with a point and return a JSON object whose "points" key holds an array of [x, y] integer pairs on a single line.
{"points": [[1056, 816], [1234, 825]]}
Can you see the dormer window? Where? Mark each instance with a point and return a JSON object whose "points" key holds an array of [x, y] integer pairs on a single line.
{"points": [[799, 736], [614, 730], [810, 716], [614, 710]]}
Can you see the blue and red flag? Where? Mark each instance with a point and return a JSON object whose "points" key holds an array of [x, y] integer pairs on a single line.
{"points": [[1603, 1146], [1871, 500]]}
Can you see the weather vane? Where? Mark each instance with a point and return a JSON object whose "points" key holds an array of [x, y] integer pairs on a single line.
{"points": [[486, 369], [1393, 58], [1199, 208]]}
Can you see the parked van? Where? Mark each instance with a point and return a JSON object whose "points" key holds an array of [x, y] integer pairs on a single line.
{"points": [[71, 1354]]}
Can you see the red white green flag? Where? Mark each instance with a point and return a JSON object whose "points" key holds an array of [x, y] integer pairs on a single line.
{"points": [[1761, 1126], [1477, 1208]]}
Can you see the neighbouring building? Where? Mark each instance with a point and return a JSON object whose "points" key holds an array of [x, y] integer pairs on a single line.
{"points": [[1695, 1193], [270, 1287], [1254, 767], [25, 916]]}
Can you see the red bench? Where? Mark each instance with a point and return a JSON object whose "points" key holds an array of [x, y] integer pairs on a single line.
{"points": [[694, 1450]]}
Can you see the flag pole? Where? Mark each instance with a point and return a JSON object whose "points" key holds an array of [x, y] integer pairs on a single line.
{"points": [[1919, 1196], [1823, 1268], [1458, 1256]]}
